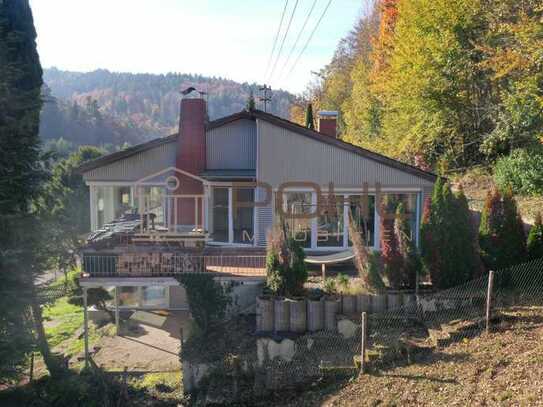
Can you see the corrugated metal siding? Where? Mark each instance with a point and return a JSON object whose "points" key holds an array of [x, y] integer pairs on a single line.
{"points": [[287, 156], [232, 146], [137, 166]]}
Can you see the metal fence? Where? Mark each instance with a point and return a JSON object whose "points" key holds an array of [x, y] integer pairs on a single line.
{"points": [[412, 330], [170, 264]]}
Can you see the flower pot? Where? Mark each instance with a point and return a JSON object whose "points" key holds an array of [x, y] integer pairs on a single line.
{"points": [[348, 304], [281, 313], [264, 314], [315, 315], [394, 301], [410, 303], [297, 315], [331, 309], [363, 303], [378, 303]]}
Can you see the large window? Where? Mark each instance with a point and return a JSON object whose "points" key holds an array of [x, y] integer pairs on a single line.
{"points": [[155, 297], [331, 222], [362, 210], [233, 223], [389, 204], [220, 214], [243, 215], [300, 203], [329, 230]]}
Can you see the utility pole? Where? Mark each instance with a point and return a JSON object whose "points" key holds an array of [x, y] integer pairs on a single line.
{"points": [[266, 96]]}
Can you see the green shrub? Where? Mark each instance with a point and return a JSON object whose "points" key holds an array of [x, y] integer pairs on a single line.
{"points": [[329, 286], [448, 238], [535, 239], [501, 234], [208, 299], [522, 171], [286, 272], [343, 283]]}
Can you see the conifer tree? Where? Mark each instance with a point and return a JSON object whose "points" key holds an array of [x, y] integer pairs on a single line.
{"points": [[501, 233], [390, 250], [21, 177], [448, 238], [309, 121], [535, 239], [411, 264]]}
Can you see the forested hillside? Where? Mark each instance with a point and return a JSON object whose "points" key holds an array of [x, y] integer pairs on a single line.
{"points": [[103, 107], [440, 83]]}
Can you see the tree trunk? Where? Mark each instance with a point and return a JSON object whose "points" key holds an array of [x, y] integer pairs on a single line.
{"points": [[43, 346]]}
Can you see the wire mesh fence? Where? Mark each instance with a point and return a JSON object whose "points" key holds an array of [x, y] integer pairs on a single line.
{"points": [[411, 328]]}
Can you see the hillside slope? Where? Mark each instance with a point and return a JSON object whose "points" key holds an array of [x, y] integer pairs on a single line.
{"points": [[503, 368], [150, 101]]}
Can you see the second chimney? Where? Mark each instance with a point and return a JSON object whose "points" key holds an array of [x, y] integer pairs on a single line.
{"points": [[328, 123]]}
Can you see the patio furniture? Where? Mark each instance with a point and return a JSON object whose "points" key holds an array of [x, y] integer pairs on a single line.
{"points": [[336, 258]]}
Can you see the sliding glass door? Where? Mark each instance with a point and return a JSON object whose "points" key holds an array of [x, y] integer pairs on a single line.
{"points": [[233, 215]]}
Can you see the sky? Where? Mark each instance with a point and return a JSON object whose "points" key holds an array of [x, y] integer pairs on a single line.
{"points": [[228, 38]]}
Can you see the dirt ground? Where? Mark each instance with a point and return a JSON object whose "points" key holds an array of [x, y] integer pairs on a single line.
{"points": [[501, 369], [143, 347]]}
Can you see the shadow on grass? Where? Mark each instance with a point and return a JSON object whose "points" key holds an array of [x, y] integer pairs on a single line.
{"points": [[420, 378], [91, 387]]}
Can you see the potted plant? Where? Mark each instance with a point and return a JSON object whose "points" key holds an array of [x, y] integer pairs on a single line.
{"points": [[332, 304]]}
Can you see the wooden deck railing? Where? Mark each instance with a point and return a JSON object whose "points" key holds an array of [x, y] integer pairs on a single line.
{"points": [[171, 264]]}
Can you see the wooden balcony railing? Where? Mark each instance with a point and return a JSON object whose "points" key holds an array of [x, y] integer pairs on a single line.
{"points": [[156, 264]]}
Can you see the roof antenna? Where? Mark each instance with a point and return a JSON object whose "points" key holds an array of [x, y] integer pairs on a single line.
{"points": [[266, 97]]}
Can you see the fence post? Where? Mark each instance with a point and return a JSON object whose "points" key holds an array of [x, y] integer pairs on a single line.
{"points": [[117, 324], [489, 300], [31, 367], [323, 271], [86, 327], [363, 336]]}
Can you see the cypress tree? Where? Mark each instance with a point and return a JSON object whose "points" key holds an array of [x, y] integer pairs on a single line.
{"points": [[501, 234], [535, 239], [411, 264], [448, 238], [21, 177], [390, 250], [309, 121], [430, 233]]}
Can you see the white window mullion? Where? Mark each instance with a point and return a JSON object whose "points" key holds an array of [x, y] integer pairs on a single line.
{"points": [[93, 208], [314, 221], [230, 217]]}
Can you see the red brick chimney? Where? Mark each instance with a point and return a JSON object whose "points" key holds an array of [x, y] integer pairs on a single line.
{"points": [[328, 123], [191, 156]]}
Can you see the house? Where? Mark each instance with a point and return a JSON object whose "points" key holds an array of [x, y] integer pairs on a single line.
{"points": [[205, 198]]}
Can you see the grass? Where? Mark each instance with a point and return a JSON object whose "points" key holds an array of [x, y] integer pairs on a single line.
{"points": [[62, 321], [165, 386], [64, 326]]}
